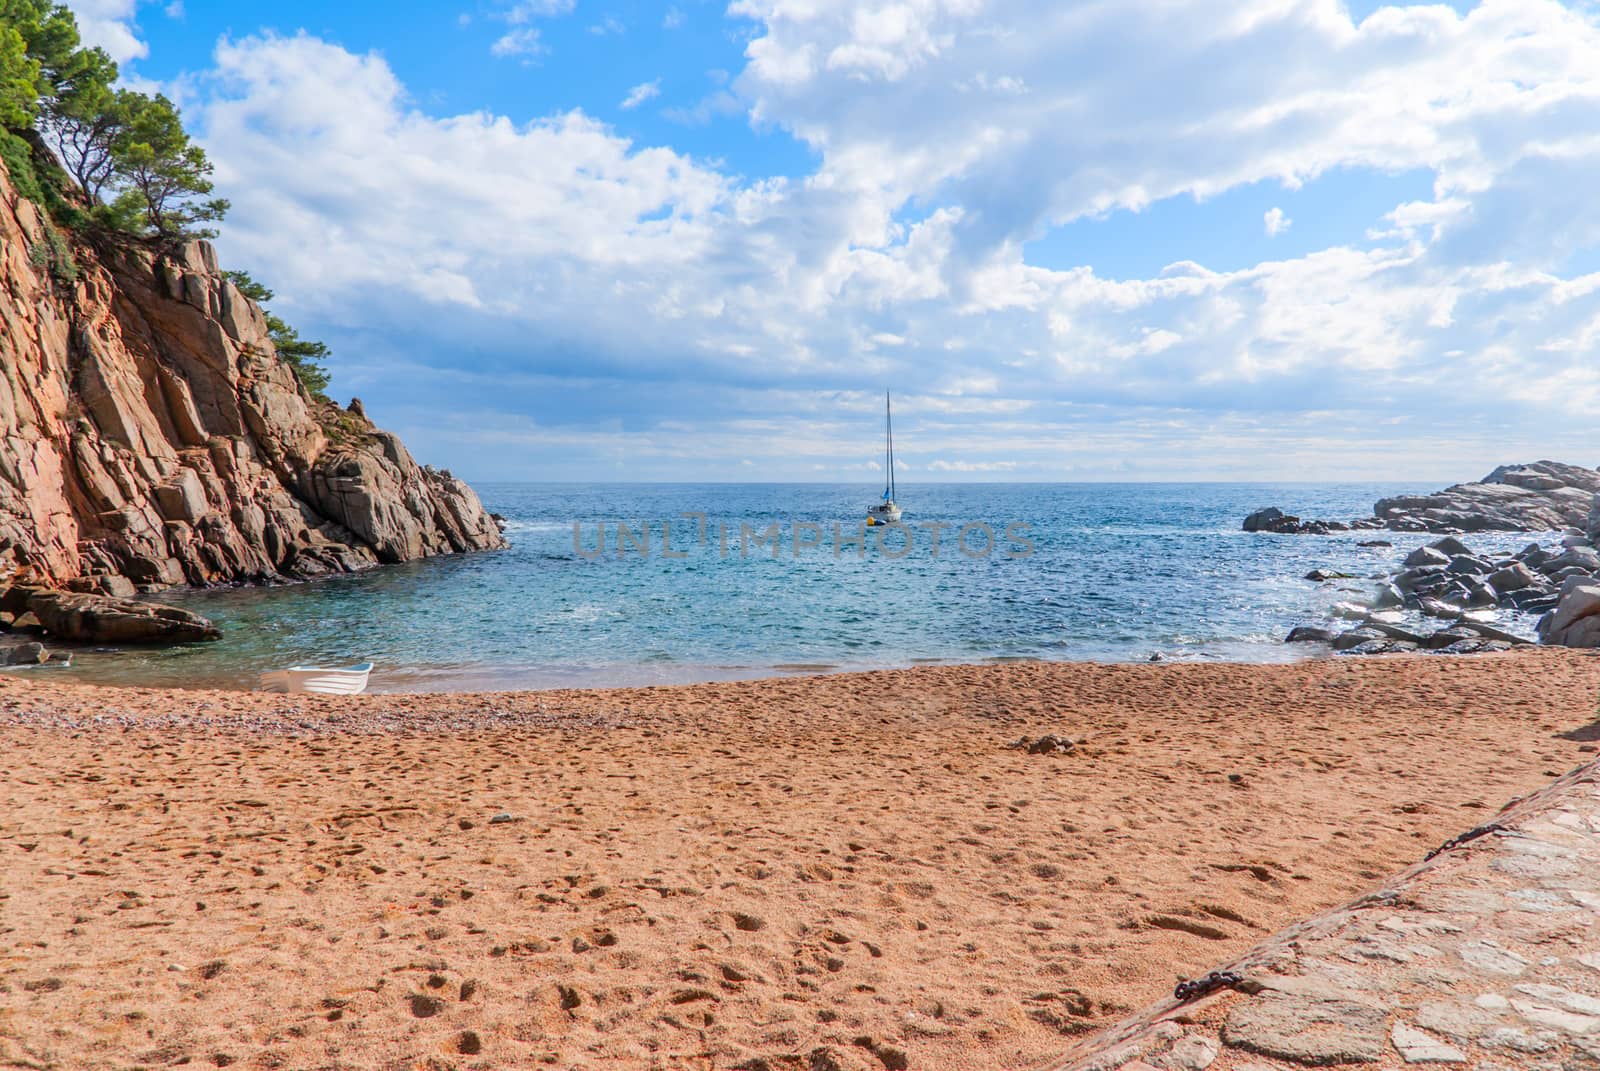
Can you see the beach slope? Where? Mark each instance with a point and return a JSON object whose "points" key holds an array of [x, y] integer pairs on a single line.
{"points": [[854, 871]]}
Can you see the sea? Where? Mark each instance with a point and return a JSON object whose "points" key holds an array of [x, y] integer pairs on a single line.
{"points": [[633, 584]]}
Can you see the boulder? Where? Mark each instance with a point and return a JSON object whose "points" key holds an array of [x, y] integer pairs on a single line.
{"points": [[1585, 558], [1388, 596], [1489, 632], [1583, 634], [1423, 557], [1513, 577], [1480, 594], [1450, 547], [1310, 634], [1579, 600], [1394, 632], [1445, 637], [1377, 647], [1271, 519], [1440, 608], [1322, 576], [1469, 565], [89, 618], [27, 654], [1356, 637]]}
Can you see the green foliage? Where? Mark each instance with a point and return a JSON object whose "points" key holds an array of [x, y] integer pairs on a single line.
{"points": [[303, 355], [19, 80], [127, 152], [153, 156], [52, 252], [249, 287]]}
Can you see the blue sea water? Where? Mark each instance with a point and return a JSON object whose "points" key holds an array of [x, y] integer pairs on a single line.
{"points": [[1098, 572]]}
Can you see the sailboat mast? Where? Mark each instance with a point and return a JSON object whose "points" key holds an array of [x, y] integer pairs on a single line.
{"points": [[888, 424]]}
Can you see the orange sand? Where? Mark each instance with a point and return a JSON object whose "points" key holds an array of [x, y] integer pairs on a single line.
{"points": [[833, 872]]}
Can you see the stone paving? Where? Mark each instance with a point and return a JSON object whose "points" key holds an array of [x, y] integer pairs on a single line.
{"points": [[1486, 956]]}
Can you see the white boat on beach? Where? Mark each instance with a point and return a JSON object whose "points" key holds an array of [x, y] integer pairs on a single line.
{"points": [[886, 512], [343, 680]]}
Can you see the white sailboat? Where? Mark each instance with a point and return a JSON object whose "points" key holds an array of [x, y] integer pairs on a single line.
{"points": [[886, 512]]}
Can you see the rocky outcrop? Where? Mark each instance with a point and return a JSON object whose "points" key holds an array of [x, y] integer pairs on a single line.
{"points": [[1480, 956], [1540, 497], [1575, 622], [87, 618], [150, 435], [1445, 597]]}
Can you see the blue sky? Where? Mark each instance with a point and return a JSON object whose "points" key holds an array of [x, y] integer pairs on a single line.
{"points": [[583, 239]]}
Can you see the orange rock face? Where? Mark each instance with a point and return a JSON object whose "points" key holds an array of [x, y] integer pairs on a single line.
{"points": [[150, 432]]}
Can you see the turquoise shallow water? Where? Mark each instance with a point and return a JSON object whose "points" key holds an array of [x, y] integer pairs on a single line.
{"points": [[1116, 572]]}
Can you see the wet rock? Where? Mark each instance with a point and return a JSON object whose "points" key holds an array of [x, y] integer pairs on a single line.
{"points": [[27, 654], [1271, 519], [1388, 596], [1310, 634], [1322, 576], [1469, 565], [1346, 641]]}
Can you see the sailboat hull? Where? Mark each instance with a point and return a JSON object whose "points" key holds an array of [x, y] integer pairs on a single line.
{"points": [[886, 514]]}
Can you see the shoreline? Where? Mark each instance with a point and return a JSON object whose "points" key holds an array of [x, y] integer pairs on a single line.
{"points": [[455, 679], [721, 874]]}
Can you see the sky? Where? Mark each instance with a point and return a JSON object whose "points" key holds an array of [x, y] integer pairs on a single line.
{"points": [[1102, 240]]}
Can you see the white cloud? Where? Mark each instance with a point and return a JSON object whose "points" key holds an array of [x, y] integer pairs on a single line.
{"points": [[640, 93], [1276, 222], [110, 25], [523, 41], [946, 139], [528, 10], [672, 19], [972, 466]]}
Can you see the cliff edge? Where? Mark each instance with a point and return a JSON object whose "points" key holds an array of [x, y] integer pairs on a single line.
{"points": [[151, 436]]}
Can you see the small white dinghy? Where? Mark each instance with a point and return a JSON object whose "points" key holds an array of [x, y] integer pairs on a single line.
{"points": [[344, 680]]}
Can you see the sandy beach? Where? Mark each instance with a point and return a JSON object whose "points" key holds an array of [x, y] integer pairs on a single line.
{"points": [[849, 871]]}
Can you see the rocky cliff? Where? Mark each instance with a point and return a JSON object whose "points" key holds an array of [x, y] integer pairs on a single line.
{"points": [[150, 435]]}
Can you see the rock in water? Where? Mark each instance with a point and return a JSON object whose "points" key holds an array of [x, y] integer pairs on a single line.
{"points": [[88, 618], [1271, 519], [150, 435], [27, 654]]}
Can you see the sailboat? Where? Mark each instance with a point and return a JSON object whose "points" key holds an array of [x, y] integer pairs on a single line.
{"points": [[886, 512]]}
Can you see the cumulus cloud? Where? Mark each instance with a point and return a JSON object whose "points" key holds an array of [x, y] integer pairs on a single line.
{"points": [[1275, 222], [640, 93], [110, 25], [517, 263]]}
